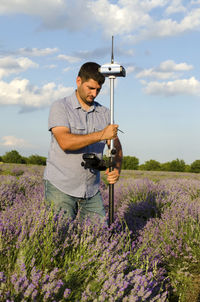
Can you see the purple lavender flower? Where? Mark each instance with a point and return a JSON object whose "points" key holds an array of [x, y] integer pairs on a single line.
{"points": [[52, 258], [67, 293]]}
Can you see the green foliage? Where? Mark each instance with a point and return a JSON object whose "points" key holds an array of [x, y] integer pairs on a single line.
{"points": [[151, 165], [130, 163], [177, 165], [165, 166], [184, 267], [195, 166], [36, 160], [13, 157], [187, 168]]}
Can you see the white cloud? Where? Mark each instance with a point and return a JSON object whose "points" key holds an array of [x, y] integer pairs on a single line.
{"points": [[130, 69], [170, 65], [20, 92], [54, 14], [70, 59], [189, 86], [88, 54], [122, 17], [66, 69], [195, 2], [135, 20], [168, 27], [94, 54], [175, 7], [176, 86], [32, 7], [151, 73], [10, 65], [166, 70], [12, 141], [37, 52]]}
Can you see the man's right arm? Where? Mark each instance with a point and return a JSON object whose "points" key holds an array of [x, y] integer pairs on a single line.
{"points": [[72, 142]]}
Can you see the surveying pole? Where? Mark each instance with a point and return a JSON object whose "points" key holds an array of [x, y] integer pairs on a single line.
{"points": [[112, 71]]}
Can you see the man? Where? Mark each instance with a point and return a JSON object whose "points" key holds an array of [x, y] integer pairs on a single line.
{"points": [[79, 125]]}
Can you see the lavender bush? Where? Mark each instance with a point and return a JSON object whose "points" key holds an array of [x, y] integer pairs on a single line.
{"points": [[150, 253]]}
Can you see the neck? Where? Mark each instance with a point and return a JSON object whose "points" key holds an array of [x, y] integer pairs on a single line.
{"points": [[84, 104]]}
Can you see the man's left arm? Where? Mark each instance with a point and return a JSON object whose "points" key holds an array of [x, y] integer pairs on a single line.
{"points": [[114, 175]]}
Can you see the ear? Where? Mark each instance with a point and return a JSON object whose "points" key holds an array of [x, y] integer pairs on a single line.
{"points": [[78, 81]]}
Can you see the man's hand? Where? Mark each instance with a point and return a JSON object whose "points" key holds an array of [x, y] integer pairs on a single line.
{"points": [[109, 132], [113, 176]]}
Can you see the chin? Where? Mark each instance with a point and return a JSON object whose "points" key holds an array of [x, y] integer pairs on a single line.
{"points": [[90, 102]]}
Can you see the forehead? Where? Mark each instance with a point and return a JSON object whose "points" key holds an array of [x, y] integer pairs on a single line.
{"points": [[92, 84]]}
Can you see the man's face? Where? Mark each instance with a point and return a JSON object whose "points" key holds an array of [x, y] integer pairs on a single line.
{"points": [[87, 91]]}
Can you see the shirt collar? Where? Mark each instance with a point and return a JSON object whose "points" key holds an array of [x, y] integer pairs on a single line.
{"points": [[76, 104]]}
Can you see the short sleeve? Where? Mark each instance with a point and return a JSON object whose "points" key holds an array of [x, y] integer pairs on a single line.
{"points": [[58, 115]]}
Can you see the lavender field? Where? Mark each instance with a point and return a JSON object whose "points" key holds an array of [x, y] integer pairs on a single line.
{"points": [[151, 252]]}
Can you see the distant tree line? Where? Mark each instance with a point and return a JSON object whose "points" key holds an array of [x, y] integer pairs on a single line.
{"points": [[14, 157], [129, 163], [177, 165]]}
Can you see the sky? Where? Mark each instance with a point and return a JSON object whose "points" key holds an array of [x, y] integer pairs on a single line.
{"points": [[43, 43]]}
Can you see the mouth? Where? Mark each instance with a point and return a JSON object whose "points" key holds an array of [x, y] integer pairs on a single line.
{"points": [[91, 98]]}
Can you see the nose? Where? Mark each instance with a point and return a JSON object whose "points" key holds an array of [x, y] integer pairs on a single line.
{"points": [[94, 93]]}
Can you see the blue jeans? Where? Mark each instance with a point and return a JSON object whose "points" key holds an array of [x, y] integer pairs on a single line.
{"points": [[71, 206]]}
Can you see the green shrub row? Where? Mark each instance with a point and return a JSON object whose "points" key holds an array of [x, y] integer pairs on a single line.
{"points": [[15, 158], [177, 165], [129, 163]]}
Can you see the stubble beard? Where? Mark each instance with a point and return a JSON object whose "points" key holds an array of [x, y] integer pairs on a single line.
{"points": [[85, 101]]}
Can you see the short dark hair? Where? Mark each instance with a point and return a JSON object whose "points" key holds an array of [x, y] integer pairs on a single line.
{"points": [[90, 70]]}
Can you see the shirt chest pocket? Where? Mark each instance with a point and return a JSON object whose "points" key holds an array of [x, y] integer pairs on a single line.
{"points": [[78, 129], [98, 128], [99, 125]]}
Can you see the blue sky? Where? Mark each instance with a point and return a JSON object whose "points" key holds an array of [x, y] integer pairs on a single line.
{"points": [[44, 42]]}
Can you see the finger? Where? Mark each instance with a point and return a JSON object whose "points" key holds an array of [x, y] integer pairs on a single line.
{"points": [[107, 171], [112, 182], [112, 178]]}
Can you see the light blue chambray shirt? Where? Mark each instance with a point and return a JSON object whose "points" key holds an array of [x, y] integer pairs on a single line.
{"points": [[64, 168]]}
